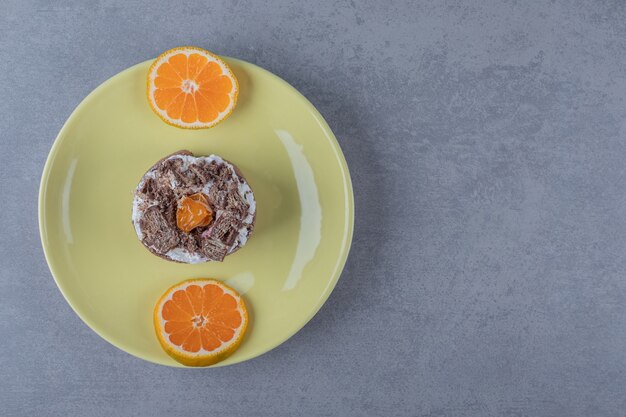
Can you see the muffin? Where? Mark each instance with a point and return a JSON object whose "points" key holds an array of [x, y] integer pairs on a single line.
{"points": [[193, 209]]}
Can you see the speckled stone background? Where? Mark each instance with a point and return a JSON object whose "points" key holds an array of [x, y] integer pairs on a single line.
{"points": [[487, 146]]}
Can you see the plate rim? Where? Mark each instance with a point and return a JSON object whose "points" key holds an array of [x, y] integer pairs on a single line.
{"points": [[346, 245]]}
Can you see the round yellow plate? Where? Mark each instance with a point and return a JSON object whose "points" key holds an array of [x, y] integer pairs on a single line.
{"points": [[285, 150]]}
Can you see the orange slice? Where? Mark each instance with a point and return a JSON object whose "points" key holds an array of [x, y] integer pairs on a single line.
{"points": [[200, 322], [191, 88]]}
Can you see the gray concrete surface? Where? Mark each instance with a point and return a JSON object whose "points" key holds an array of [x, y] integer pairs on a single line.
{"points": [[487, 146]]}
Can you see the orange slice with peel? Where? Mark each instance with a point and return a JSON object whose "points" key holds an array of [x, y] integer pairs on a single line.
{"points": [[200, 322], [191, 88]]}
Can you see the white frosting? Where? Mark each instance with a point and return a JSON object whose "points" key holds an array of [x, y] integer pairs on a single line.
{"points": [[181, 254]]}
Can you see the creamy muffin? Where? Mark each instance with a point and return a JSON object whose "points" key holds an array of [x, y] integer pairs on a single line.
{"points": [[193, 209]]}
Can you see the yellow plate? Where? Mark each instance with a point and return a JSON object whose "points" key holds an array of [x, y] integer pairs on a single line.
{"points": [[285, 150]]}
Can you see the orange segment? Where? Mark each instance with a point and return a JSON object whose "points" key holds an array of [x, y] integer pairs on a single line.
{"points": [[209, 341], [167, 71], [194, 293], [208, 73], [163, 83], [229, 320], [192, 343], [181, 300], [220, 85], [165, 96], [206, 110], [179, 63], [211, 294], [217, 100], [195, 63], [179, 337], [200, 322], [172, 312], [192, 212], [175, 108], [189, 114], [191, 88], [175, 326]]}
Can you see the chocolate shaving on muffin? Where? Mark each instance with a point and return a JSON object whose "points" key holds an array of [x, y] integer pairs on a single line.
{"points": [[220, 185]]}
